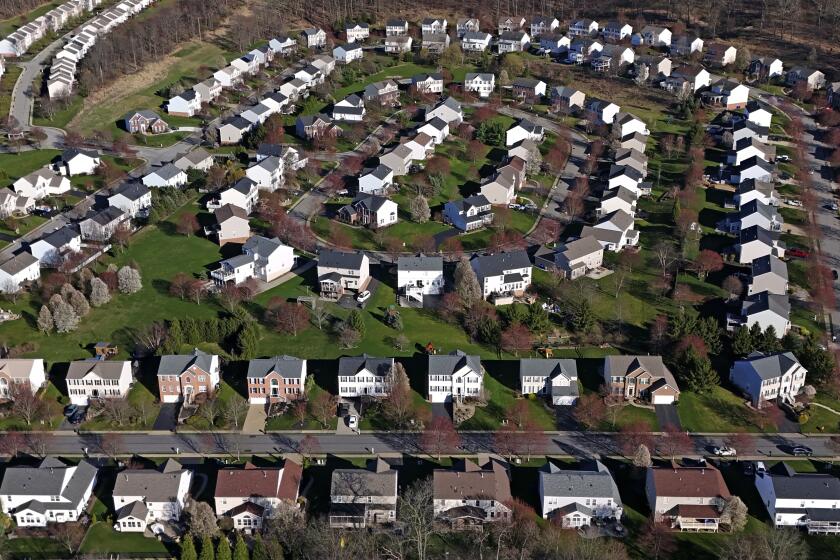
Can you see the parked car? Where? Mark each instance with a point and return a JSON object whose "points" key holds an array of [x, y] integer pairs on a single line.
{"points": [[801, 451], [353, 422], [723, 451], [794, 202], [798, 253], [363, 296], [783, 157]]}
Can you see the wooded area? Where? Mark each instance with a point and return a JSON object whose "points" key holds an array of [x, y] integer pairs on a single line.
{"points": [[11, 8]]}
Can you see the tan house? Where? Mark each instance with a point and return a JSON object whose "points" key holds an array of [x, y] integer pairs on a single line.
{"points": [[181, 377], [640, 377], [686, 498], [232, 224], [19, 373], [275, 380], [472, 493]]}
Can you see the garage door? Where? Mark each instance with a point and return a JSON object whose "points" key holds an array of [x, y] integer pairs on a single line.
{"points": [[663, 399]]}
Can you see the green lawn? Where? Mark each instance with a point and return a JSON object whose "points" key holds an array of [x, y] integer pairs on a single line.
{"points": [[627, 415], [15, 166], [7, 84], [142, 397], [101, 538], [719, 411], [500, 382], [225, 395]]}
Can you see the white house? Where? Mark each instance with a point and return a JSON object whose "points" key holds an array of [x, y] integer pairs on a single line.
{"points": [[267, 173], [133, 198], [685, 45], [500, 189], [614, 231], [502, 273], [340, 271], [19, 373], [626, 176], [600, 111], [145, 496], [370, 210], [757, 114], [756, 190], [185, 104], [749, 147], [228, 76], [628, 123], [418, 277], [262, 258], [755, 242], [52, 247], [809, 501], [52, 492], [777, 376], [475, 41], [579, 257], [553, 379], [427, 83], [766, 68], [233, 130], [769, 274], [74, 161], [466, 25], [96, 379], [396, 27], [524, 130], [756, 213], [733, 95], [17, 270], [356, 31], [576, 498], [583, 27], [167, 176], [482, 84], [720, 54], [513, 41], [376, 180], [348, 53], [449, 111], [753, 167], [541, 25], [617, 31], [765, 310], [398, 160], [282, 44], [314, 37], [41, 183], [813, 79], [398, 44], [435, 128], [433, 25], [455, 376], [656, 36], [364, 375]]}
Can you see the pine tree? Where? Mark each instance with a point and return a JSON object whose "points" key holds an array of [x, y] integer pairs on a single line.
{"points": [[756, 335], [697, 372], [770, 342], [240, 549], [207, 552], [188, 548], [99, 294], [742, 342], [466, 283], [247, 342], [259, 551], [356, 321], [223, 549], [45, 320], [583, 319], [176, 336]]}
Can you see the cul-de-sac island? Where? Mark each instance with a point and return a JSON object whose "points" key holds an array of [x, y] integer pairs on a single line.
{"points": [[384, 280]]}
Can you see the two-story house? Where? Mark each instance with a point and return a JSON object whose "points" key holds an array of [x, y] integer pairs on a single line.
{"points": [[762, 378], [481, 84], [687, 498], [370, 210], [276, 380], [363, 497], [575, 498], [418, 277], [248, 495], [470, 493], [454, 377], [579, 257], [502, 273], [340, 271], [183, 377], [645, 378], [475, 41], [553, 379], [145, 496], [132, 197], [809, 501], [97, 379], [769, 274], [364, 376], [52, 248], [262, 258], [468, 214]]}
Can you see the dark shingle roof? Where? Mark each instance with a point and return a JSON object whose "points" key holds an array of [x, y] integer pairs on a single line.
{"points": [[287, 366], [340, 259]]}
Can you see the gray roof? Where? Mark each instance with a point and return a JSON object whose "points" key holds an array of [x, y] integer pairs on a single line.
{"points": [[753, 233], [48, 479], [425, 77], [788, 484], [371, 201], [529, 126], [769, 367], [526, 82], [136, 510], [580, 248], [769, 264], [289, 367], [619, 218], [496, 263], [437, 123], [132, 190], [17, 263], [351, 365], [106, 370], [238, 123], [629, 171], [475, 36], [755, 206], [70, 153], [364, 482], [262, 246], [621, 193], [752, 185], [420, 262], [168, 171], [447, 364], [551, 368], [764, 301], [244, 185], [592, 482], [176, 364], [106, 216], [150, 484], [624, 364], [516, 36], [755, 161], [61, 237], [484, 76], [381, 172], [340, 259]]}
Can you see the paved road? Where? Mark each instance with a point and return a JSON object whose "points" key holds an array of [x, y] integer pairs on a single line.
{"points": [[557, 443]]}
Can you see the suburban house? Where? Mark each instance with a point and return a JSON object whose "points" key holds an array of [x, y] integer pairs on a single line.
{"points": [[475, 41], [41, 183], [234, 129], [767, 310], [687, 498], [628, 123], [385, 92], [749, 147], [686, 45], [720, 54], [97, 379], [600, 111], [634, 141], [356, 31], [348, 53], [185, 104], [21, 373], [754, 167], [656, 36], [466, 25], [575, 498], [645, 378], [257, 114], [765, 68], [144, 122], [510, 23], [396, 27], [433, 25], [513, 41], [550, 378], [500, 189], [276, 380], [694, 76], [748, 129], [502, 274], [579, 257], [397, 44], [541, 25], [729, 93], [529, 89], [554, 43], [267, 173], [340, 271], [567, 98], [455, 376], [262, 258], [427, 83], [74, 161], [756, 213], [51, 492], [482, 84], [435, 42], [468, 214], [312, 127], [757, 114], [658, 67], [418, 277], [145, 496], [370, 210], [769, 274], [292, 89], [133, 198], [250, 494], [314, 37], [363, 497], [449, 111], [310, 75], [470, 493], [617, 31], [833, 95], [421, 146], [350, 109], [613, 231], [755, 242], [583, 27], [763, 378], [631, 158], [809, 501], [228, 76], [436, 128], [364, 376], [756, 190], [283, 44], [524, 130], [52, 248], [182, 377], [376, 180], [397, 160], [18, 270], [199, 159], [813, 79], [244, 193], [169, 175], [232, 225], [101, 226], [581, 50]]}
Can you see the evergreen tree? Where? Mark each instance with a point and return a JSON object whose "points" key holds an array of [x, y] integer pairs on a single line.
{"points": [[709, 330], [45, 320], [247, 342], [696, 372], [466, 283], [260, 553], [756, 335], [742, 342], [818, 362], [356, 321], [240, 549], [538, 320], [770, 343], [583, 318], [188, 548], [223, 549], [207, 552], [176, 336]]}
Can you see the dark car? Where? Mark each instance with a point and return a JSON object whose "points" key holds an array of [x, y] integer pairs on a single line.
{"points": [[801, 451], [71, 409], [834, 273], [77, 418]]}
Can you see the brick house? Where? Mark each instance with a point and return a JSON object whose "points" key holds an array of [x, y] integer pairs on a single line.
{"points": [[275, 380], [183, 376], [145, 122]]}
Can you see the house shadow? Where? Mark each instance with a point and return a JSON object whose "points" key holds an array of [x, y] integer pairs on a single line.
{"points": [[235, 374], [324, 374], [505, 372], [58, 376]]}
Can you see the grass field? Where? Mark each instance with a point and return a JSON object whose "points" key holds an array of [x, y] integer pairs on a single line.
{"points": [[11, 24], [7, 84], [15, 166]]}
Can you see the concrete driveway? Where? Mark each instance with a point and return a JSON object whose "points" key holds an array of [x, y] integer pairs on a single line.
{"points": [[255, 419]]}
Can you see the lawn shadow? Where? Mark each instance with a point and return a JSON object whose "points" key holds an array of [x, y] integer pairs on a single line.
{"points": [[58, 376], [324, 374], [505, 372], [236, 373]]}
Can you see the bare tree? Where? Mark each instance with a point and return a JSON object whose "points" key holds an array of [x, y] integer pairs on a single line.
{"points": [[25, 403], [666, 256], [417, 514], [70, 535], [237, 409]]}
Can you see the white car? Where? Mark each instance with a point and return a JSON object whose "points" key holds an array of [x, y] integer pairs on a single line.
{"points": [[794, 202], [783, 157], [363, 296], [353, 422], [724, 451]]}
